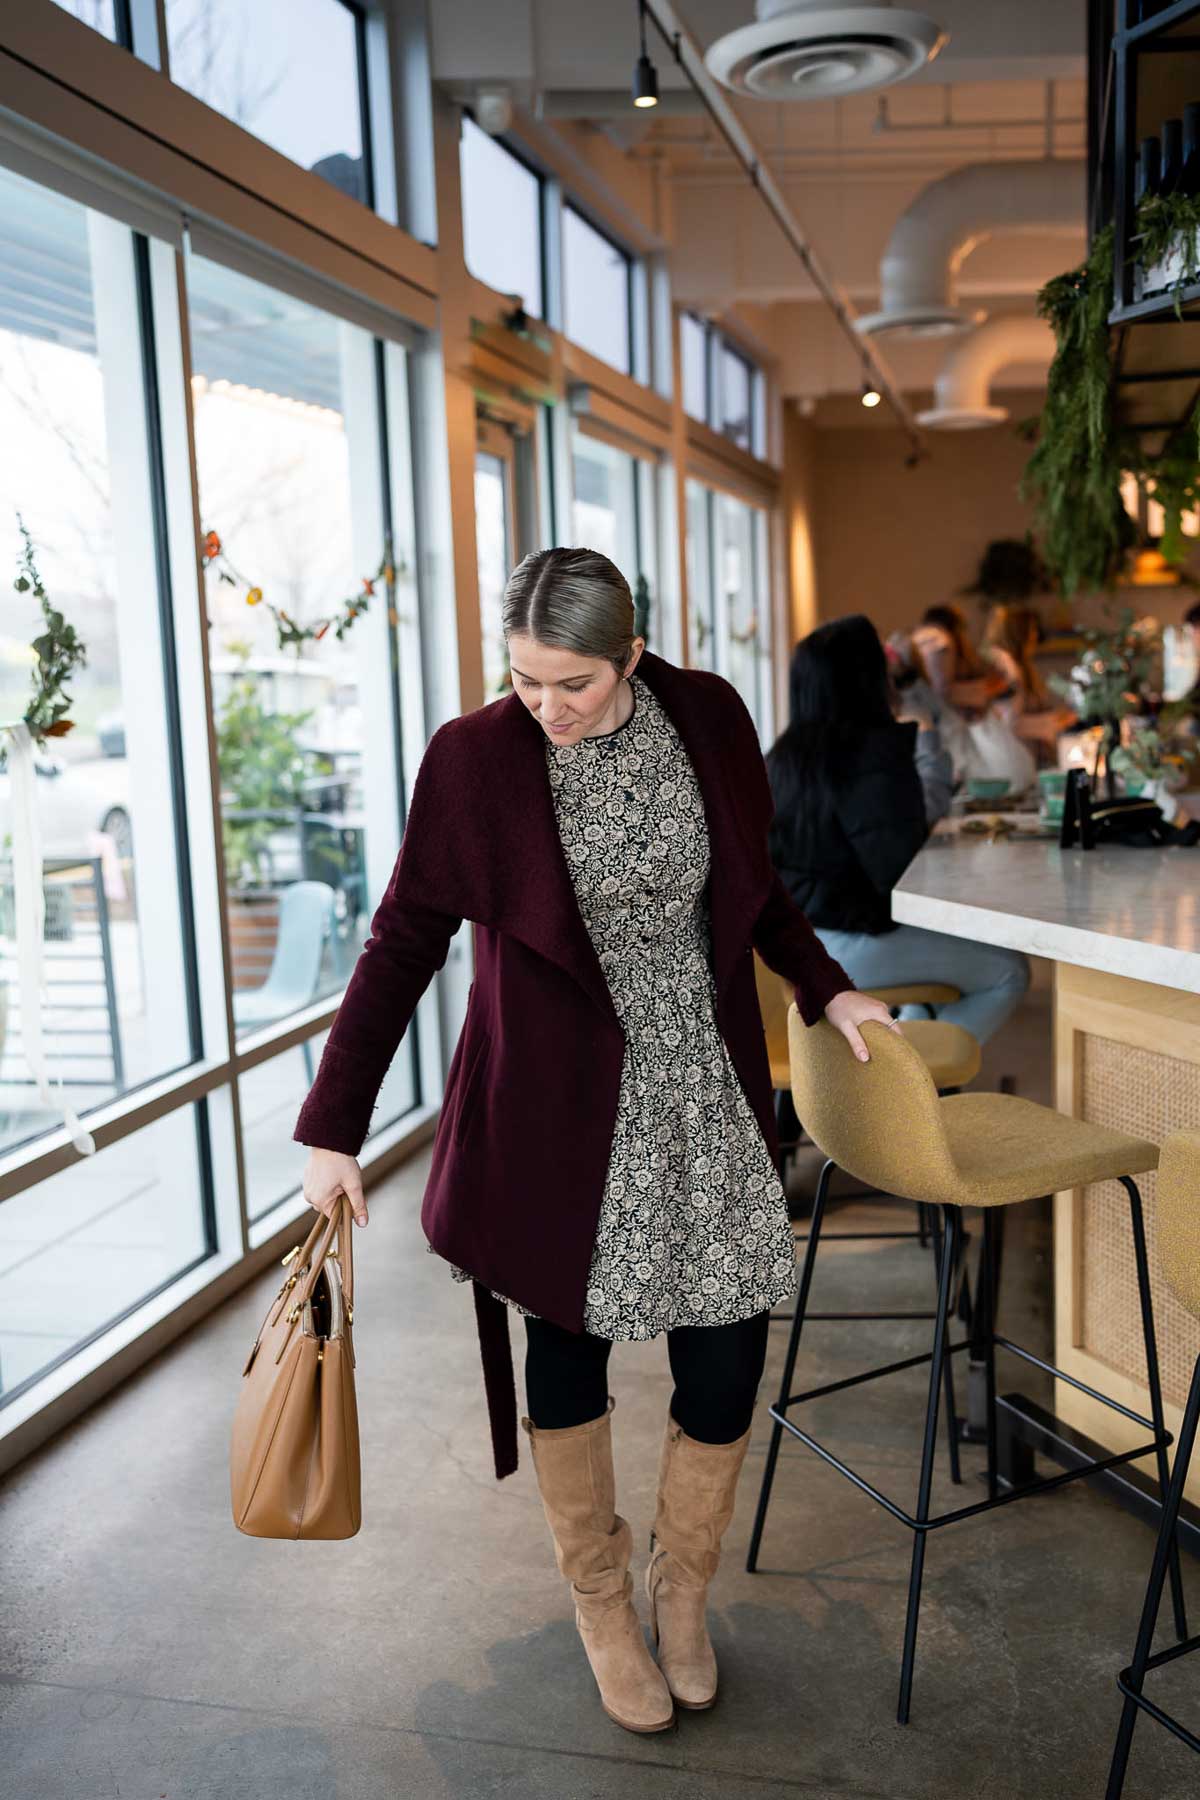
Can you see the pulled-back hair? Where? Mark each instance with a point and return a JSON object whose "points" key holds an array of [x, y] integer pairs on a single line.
{"points": [[571, 599]]}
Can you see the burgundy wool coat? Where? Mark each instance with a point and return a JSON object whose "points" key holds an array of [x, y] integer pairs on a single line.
{"points": [[521, 1154]]}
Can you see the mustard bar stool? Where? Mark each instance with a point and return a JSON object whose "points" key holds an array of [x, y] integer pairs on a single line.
{"points": [[885, 1123], [1178, 1213], [953, 1058]]}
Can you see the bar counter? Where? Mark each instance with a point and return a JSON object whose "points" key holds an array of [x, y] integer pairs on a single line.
{"points": [[1122, 928]]}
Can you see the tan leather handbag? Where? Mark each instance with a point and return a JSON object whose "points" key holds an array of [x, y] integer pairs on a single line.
{"points": [[294, 1463]]}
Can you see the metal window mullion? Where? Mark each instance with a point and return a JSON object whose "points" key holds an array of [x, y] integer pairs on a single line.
{"points": [[201, 767]]}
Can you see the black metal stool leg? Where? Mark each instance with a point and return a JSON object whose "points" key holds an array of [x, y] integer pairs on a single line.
{"points": [[1165, 1548], [989, 1272], [951, 1227], [1154, 1383], [952, 1431], [789, 1362]]}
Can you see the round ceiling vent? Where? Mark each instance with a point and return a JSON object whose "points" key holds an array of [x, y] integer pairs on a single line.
{"points": [[961, 418], [919, 321], [798, 51]]}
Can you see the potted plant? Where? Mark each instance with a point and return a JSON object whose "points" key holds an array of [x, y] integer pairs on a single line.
{"points": [[263, 770], [1108, 683]]}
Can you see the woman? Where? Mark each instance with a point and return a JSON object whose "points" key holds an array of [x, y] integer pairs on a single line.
{"points": [[1010, 638], [954, 668], [604, 1161], [851, 813]]}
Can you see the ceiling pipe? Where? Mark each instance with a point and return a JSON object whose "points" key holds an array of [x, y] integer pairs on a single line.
{"points": [[962, 391], [948, 219], [690, 60]]}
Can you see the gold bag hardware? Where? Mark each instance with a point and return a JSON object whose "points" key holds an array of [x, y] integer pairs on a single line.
{"points": [[294, 1453]]}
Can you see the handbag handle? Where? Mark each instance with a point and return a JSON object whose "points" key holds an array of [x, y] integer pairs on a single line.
{"points": [[328, 1227]]}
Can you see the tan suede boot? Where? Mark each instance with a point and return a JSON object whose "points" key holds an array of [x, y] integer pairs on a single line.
{"points": [[696, 1486], [593, 1545]]}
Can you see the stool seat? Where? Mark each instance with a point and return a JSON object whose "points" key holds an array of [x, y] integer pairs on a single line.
{"points": [[1006, 1149], [952, 1056], [916, 993], [884, 1123]]}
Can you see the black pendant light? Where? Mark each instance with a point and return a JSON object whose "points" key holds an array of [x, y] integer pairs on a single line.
{"points": [[645, 75]]}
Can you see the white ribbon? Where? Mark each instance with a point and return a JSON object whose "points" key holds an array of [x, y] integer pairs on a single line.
{"points": [[29, 908]]}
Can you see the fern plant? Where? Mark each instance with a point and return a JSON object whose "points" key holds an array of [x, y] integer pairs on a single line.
{"points": [[1073, 477]]}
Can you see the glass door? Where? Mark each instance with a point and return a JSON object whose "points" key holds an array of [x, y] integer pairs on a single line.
{"points": [[495, 545]]}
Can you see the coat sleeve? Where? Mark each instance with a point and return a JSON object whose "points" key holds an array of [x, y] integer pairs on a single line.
{"points": [[788, 944], [408, 943], [782, 935]]}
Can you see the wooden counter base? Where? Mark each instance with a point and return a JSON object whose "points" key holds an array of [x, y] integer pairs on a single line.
{"points": [[1127, 1055]]}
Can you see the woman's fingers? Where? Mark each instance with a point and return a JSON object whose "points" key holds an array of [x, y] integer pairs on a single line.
{"points": [[854, 1038]]}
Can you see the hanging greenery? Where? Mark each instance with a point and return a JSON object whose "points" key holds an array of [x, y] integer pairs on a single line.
{"points": [[58, 649], [289, 634], [1073, 477]]}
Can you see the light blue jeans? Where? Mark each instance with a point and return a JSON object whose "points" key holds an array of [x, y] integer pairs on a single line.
{"points": [[992, 981]]}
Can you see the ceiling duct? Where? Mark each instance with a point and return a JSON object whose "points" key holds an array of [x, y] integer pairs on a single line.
{"points": [[962, 391], [948, 219], [805, 50]]}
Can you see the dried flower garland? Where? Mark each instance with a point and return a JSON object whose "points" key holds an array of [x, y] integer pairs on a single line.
{"points": [[290, 634], [59, 652]]}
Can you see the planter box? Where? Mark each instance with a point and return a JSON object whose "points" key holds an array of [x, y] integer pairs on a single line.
{"points": [[253, 933], [1164, 276]]}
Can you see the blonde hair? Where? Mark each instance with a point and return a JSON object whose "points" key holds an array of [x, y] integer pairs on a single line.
{"points": [[571, 599], [1011, 628]]}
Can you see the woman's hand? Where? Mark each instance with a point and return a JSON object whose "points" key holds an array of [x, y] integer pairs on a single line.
{"points": [[850, 1010], [328, 1174]]}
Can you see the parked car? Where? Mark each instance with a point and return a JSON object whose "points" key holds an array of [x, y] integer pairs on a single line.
{"points": [[75, 798]]}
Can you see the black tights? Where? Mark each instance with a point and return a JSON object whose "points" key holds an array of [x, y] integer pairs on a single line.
{"points": [[717, 1369]]}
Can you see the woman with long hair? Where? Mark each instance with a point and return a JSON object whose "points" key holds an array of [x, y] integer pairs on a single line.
{"points": [[605, 1157], [851, 812]]}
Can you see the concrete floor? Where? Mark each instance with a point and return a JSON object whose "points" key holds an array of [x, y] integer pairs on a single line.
{"points": [[149, 1652]]}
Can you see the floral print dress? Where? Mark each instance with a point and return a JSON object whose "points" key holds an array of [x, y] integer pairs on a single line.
{"points": [[693, 1226]]}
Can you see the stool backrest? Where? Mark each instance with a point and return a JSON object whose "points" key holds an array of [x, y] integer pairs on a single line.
{"points": [[879, 1120], [1177, 1210]]}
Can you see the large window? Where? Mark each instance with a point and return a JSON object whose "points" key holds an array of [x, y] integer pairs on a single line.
{"points": [[287, 70], [721, 386], [285, 485], [85, 1246], [605, 504], [502, 218], [597, 278], [72, 457], [693, 347], [614, 511], [728, 594]]}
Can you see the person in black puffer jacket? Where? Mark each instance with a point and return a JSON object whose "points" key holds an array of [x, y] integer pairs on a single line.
{"points": [[856, 790]]}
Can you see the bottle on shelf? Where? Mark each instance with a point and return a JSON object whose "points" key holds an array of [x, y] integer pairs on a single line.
{"points": [[1148, 174], [1172, 156], [1189, 175]]}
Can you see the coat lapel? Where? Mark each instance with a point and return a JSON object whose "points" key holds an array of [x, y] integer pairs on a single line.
{"points": [[535, 900], [741, 872]]}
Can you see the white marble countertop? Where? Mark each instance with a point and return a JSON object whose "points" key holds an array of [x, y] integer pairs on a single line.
{"points": [[1124, 911]]}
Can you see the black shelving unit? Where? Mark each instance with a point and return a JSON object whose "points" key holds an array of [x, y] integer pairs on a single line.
{"points": [[1144, 65]]}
